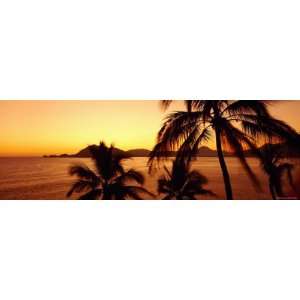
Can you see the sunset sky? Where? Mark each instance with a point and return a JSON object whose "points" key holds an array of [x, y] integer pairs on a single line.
{"points": [[30, 128]]}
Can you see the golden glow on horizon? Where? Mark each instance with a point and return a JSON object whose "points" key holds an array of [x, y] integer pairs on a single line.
{"points": [[56, 127]]}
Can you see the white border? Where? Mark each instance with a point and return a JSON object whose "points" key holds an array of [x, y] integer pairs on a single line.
{"points": [[134, 49], [149, 250], [209, 49]]}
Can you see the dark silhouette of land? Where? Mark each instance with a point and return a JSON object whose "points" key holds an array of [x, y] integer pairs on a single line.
{"points": [[85, 153], [203, 151]]}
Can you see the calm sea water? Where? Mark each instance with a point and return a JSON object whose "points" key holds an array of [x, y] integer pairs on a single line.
{"points": [[42, 178]]}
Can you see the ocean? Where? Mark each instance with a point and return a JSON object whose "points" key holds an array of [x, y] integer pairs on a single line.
{"points": [[48, 178]]}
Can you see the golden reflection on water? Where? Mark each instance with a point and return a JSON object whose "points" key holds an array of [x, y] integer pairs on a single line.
{"points": [[47, 178]]}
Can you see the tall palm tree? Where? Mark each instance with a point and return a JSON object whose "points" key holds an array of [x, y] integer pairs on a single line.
{"points": [[271, 161], [237, 124], [182, 183], [111, 180]]}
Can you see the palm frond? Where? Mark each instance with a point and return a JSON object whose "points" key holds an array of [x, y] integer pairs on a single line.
{"points": [[181, 183], [190, 147], [255, 107], [175, 130], [80, 186], [107, 160], [196, 176], [132, 192], [237, 141], [164, 104], [92, 195], [84, 172], [163, 185], [269, 129], [132, 175]]}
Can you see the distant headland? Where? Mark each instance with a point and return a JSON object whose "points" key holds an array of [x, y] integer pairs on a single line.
{"points": [[85, 153], [140, 152]]}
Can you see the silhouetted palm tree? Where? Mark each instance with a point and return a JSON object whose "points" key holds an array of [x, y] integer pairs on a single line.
{"points": [[293, 146], [236, 124], [182, 183], [111, 180], [271, 161]]}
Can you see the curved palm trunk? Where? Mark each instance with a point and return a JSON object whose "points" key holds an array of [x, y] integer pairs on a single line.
{"points": [[106, 194], [272, 190], [278, 187], [223, 166], [278, 190], [291, 180]]}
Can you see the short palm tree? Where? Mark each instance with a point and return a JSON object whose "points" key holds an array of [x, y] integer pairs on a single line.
{"points": [[239, 125], [182, 183], [271, 157], [110, 181]]}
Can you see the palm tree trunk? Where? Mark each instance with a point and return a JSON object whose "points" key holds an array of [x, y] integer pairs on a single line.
{"points": [[226, 178], [106, 195], [278, 188], [272, 190], [291, 180]]}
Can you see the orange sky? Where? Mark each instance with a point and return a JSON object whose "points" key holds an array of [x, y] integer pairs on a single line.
{"points": [[54, 127]]}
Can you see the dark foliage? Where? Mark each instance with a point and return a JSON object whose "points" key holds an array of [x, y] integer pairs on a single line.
{"points": [[181, 182], [236, 125], [111, 180]]}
